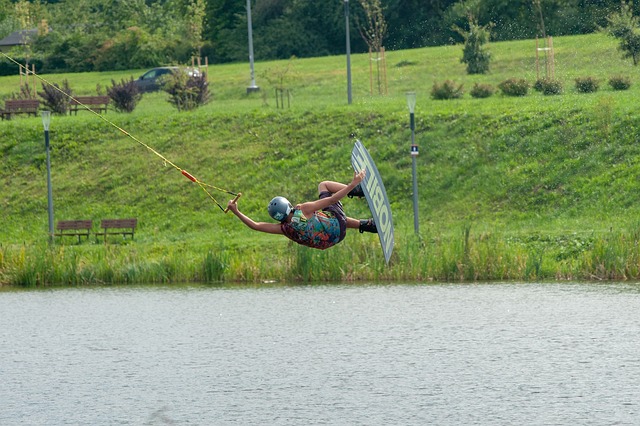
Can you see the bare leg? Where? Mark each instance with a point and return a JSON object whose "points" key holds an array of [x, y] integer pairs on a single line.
{"points": [[333, 187], [353, 223], [330, 186]]}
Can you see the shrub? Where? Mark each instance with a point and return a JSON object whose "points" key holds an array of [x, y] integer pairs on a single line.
{"points": [[24, 93], [514, 87], [124, 95], [55, 98], [548, 86], [587, 84], [187, 92], [537, 86], [620, 82], [446, 90], [482, 90]]}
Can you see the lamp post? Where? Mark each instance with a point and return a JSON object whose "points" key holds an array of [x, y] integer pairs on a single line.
{"points": [[253, 87], [46, 121], [411, 102], [348, 41]]}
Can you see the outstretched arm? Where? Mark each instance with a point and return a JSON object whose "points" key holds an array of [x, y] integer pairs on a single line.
{"points": [[270, 228], [309, 207]]}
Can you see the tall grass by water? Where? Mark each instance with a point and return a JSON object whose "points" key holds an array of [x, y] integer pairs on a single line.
{"points": [[463, 257]]}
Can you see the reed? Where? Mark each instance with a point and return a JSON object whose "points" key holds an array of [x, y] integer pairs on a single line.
{"points": [[459, 257], [214, 266]]}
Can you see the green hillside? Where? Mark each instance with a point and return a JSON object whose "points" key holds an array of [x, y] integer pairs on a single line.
{"points": [[537, 187]]}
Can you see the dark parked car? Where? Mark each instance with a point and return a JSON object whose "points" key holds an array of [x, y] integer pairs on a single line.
{"points": [[153, 79]]}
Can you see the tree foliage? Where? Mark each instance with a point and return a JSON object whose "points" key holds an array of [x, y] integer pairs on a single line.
{"points": [[623, 25], [475, 53], [115, 34]]}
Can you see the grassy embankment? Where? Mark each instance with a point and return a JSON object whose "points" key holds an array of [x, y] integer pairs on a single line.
{"points": [[539, 187]]}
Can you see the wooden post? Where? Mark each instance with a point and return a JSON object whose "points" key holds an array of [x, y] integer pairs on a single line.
{"points": [[24, 82], [552, 66], [384, 71], [549, 58], [537, 61], [370, 74]]}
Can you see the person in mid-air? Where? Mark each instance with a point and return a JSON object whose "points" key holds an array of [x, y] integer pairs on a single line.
{"points": [[318, 224]]}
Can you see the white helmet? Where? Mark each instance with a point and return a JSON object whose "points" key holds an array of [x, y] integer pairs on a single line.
{"points": [[279, 208]]}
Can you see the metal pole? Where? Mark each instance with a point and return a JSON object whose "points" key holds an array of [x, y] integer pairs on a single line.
{"points": [[46, 117], [346, 19], [253, 87], [411, 102], [414, 155]]}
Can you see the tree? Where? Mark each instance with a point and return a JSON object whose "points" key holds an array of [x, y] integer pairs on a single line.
{"points": [[222, 17], [538, 7], [624, 26], [373, 32], [474, 53], [195, 27]]}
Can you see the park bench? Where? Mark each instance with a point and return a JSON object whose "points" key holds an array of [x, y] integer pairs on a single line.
{"points": [[19, 106], [71, 228], [94, 103], [122, 227]]}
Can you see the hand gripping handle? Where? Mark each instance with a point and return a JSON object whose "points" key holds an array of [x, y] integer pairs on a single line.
{"points": [[234, 200]]}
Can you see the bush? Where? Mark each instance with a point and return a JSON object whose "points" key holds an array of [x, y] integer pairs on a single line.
{"points": [[548, 86], [538, 85], [187, 92], [446, 90], [620, 82], [482, 90], [55, 98], [25, 92], [587, 84], [514, 87], [124, 95]]}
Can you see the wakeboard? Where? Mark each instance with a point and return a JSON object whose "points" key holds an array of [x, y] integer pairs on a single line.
{"points": [[376, 197]]}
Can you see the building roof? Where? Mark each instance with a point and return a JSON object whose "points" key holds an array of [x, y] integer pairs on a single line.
{"points": [[19, 38]]}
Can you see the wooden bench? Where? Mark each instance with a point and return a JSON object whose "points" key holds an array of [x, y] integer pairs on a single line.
{"points": [[122, 227], [20, 106], [94, 103], [71, 228]]}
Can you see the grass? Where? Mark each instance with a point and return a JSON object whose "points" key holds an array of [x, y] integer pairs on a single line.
{"points": [[537, 187]]}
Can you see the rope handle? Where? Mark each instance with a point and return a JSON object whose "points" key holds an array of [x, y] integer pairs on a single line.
{"points": [[233, 201], [189, 176]]}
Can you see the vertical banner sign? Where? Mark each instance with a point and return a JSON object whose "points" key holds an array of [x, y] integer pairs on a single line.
{"points": [[376, 196]]}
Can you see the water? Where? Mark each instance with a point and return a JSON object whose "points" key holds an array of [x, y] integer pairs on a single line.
{"points": [[490, 354]]}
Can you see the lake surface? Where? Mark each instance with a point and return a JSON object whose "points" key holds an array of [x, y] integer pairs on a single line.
{"points": [[425, 354]]}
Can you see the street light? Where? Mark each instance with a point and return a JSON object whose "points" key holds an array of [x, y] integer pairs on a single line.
{"points": [[411, 103], [253, 87], [346, 20], [46, 121]]}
